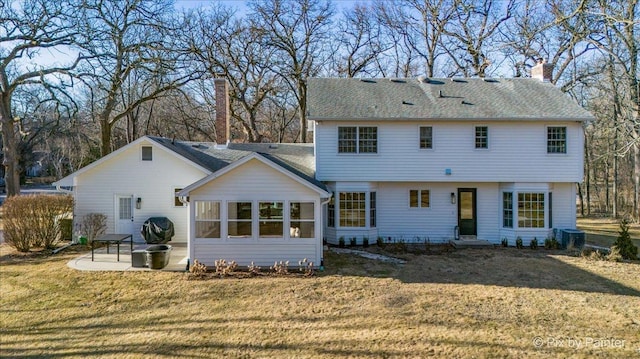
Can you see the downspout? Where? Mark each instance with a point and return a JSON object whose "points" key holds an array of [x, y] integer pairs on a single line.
{"points": [[322, 205]]}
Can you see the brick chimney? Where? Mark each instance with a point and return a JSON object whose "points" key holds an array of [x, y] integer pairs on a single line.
{"points": [[223, 126], [542, 71]]}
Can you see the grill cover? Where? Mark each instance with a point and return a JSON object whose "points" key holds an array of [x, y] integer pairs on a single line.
{"points": [[157, 230]]}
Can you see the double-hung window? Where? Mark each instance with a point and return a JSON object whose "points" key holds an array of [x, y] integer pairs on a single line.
{"points": [[207, 219], [556, 140], [372, 209], [482, 137], [507, 209], [357, 139], [239, 219], [530, 210], [302, 215], [426, 137], [352, 209], [271, 219]]}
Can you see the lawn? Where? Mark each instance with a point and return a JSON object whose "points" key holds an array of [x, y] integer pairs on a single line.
{"points": [[604, 231], [468, 303]]}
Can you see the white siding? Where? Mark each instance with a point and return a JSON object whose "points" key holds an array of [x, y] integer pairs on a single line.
{"points": [[564, 205], [517, 153], [254, 181], [126, 174], [397, 220]]}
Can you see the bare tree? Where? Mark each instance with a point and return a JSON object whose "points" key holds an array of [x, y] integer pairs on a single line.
{"points": [[424, 28], [229, 47], [619, 39], [130, 40], [359, 42], [299, 31], [29, 31], [471, 35]]}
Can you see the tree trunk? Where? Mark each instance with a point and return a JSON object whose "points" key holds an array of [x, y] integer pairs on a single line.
{"points": [[636, 187], [105, 133], [9, 148], [302, 90]]}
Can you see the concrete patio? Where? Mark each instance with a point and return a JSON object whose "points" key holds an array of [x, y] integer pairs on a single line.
{"points": [[104, 261]]}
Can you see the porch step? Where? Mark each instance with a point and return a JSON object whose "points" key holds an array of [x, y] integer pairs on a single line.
{"points": [[476, 243], [469, 237]]}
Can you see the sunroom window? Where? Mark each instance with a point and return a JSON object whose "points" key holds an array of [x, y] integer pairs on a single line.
{"points": [[271, 219], [207, 219], [239, 219], [302, 218]]}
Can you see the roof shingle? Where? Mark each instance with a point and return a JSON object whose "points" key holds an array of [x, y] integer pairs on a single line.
{"points": [[457, 98]]}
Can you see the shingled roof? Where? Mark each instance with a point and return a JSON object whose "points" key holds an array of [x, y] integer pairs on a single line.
{"points": [[438, 98], [296, 158]]}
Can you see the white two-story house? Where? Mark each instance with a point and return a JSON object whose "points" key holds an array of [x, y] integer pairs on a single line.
{"points": [[399, 159], [437, 159]]}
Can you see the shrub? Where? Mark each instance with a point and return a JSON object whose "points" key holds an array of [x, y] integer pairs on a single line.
{"points": [[306, 267], [551, 243], [624, 244], [365, 242], [592, 254], [280, 268], [35, 221], [254, 269], [380, 242], [505, 242], [352, 241], [341, 242], [198, 269], [93, 225], [614, 255], [519, 243], [224, 268], [534, 243]]}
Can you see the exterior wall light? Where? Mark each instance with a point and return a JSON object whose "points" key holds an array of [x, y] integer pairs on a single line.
{"points": [[453, 198]]}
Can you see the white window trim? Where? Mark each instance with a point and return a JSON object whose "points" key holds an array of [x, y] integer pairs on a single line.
{"points": [[357, 127], [419, 207], [546, 141], [488, 138], [173, 201], [433, 136], [219, 220], [141, 157]]}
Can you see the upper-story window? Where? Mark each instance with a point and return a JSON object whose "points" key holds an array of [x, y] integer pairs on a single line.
{"points": [[147, 153], [357, 139], [482, 137], [556, 140], [426, 137]]}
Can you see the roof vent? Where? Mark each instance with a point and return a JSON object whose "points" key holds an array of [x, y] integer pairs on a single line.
{"points": [[440, 94], [371, 81], [401, 81], [406, 103], [273, 146]]}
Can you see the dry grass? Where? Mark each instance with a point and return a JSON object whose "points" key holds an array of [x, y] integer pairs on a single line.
{"points": [[604, 231], [470, 303]]}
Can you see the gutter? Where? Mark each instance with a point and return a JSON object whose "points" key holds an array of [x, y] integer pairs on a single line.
{"points": [[60, 189]]}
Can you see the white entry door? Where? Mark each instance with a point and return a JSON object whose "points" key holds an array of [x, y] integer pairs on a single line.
{"points": [[124, 214]]}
